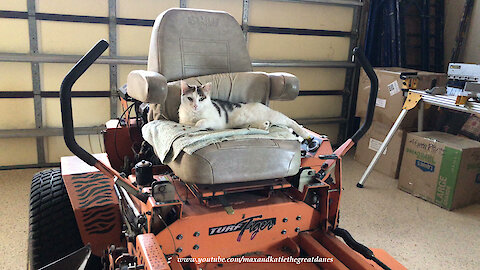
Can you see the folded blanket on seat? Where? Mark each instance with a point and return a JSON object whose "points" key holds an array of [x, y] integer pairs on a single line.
{"points": [[170, 138]]}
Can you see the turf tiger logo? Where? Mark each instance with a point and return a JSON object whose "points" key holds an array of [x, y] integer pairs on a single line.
{"points": [[253, 224]]}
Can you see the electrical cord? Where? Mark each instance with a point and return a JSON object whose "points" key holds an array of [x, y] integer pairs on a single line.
{"points": [[90, 143], [173, 238], [100, 142], [186, 191], [180, 197], [129, 108]]}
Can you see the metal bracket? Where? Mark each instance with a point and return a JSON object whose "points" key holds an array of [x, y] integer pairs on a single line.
{"points": [[409, 83], [411, 101], [461, 100], [228, 208]]}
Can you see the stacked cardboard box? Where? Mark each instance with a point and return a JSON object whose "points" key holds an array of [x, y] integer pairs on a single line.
{"points": [[441, 168], [368, 146], [389, 104]]}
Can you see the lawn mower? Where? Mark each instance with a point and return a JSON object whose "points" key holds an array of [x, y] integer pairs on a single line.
{"points": [[230, 205]]}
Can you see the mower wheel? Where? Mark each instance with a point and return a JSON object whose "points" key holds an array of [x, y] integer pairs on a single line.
{"points": [[53, 231]]}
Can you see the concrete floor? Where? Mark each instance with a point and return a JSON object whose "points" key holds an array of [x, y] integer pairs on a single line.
{"points": [[418, 234]]}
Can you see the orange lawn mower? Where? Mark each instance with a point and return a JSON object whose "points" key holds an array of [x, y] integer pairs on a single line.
{"points": [[252, 203]]}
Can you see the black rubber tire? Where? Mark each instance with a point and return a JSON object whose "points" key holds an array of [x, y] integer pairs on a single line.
{"points": [[53, 230]]}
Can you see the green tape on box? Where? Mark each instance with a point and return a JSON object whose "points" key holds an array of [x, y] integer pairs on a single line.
{"points": [[447, 177]]}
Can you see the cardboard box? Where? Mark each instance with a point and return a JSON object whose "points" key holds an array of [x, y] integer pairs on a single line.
{"points": [[471, 128], [390, 97], [367, 147], [441, 168]]}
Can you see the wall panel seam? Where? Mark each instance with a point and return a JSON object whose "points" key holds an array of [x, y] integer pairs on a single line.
{"points": [[113, 68], [36, 85], [137, 60], [149, 23]]}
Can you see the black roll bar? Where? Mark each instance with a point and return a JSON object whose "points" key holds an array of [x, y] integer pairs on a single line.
{"points": [[362, 59], [67, 121], [66, 100]]}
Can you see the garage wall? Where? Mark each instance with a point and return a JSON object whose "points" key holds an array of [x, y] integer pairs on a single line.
{"points": [[453, 14], [311, 39]]}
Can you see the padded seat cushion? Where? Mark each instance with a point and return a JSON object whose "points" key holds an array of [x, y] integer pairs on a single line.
{"points": [[239, 161]]}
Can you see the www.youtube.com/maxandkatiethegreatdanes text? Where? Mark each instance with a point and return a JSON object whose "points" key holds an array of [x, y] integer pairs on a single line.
{"points": [[243, 259]]}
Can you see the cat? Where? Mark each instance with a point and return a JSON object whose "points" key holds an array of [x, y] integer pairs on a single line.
{"points": [[198, 109]]}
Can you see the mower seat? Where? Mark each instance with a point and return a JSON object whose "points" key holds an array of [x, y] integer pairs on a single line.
{"points": [[201, 46]]}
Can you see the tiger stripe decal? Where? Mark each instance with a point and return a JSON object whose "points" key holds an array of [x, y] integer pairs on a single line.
{"points": [[96, 208], [92, 189]]}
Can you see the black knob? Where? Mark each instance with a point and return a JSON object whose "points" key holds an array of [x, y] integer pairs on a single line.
{"points": [[144, 173]]}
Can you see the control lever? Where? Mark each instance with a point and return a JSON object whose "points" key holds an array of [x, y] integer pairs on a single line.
{"points": [[325, 157]]}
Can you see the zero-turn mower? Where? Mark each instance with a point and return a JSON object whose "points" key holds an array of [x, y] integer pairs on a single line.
{"points": [[230, 205]]}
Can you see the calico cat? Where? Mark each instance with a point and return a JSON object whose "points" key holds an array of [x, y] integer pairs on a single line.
{"points": [[198, 109]]}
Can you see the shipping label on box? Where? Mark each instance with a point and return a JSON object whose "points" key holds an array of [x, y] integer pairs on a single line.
{"points": [[393, 88], [375, 145]]}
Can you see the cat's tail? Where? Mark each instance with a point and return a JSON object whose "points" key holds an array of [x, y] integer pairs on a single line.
{"points": [[298, 129]]}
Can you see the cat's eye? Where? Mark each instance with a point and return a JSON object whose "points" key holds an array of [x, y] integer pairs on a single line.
{"points": [[189, 98]]}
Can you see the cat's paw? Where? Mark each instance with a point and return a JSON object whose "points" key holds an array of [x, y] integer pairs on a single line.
{"points": [[201, 124], [260, 125]]}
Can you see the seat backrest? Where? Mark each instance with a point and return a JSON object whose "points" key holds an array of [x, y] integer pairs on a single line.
{"points": [[189, 43]]}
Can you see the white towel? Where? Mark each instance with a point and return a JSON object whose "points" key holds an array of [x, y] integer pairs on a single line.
{"points": [[170, 138]]}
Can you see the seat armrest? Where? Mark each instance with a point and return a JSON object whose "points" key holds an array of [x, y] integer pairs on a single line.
{"points": [[283, 86], [147, 86]]}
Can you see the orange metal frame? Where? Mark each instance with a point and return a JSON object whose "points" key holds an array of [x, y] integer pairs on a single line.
{"points": [[283, 224]]}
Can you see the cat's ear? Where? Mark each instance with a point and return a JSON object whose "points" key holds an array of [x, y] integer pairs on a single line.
{"points": [[184, 87], [207, 87]]}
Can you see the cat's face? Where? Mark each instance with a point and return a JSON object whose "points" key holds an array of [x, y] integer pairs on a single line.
{"points": [[195, 97]]}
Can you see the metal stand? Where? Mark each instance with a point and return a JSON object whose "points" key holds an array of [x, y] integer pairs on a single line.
{"points": [[410, 103], [413, 98], [420, 116], [375, 159]]}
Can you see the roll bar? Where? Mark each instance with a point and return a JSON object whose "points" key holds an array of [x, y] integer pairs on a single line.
{"points": [[67, 120], [360, 56], [365, 64], [66, 100]]}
